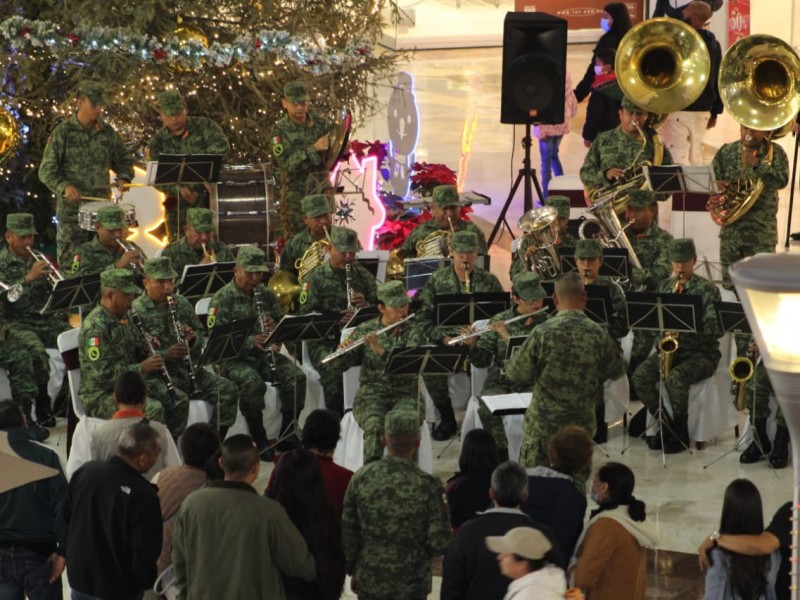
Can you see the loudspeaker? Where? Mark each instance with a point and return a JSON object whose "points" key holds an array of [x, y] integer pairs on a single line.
{"points": [[534, 68]]}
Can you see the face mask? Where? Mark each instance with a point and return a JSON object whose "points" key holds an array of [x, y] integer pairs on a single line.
{"points": [[598, 70], [605, 24], [594, 497]]}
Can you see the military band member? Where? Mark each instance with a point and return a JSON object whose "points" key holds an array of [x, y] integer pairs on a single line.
{"points": [[298, 142], [32, 330], [105, 251], [461, 277], [326, 291], [182, 134], [755, 157], [565, 361], [564, 240], [317, 219], [379, 394], [258, 363], [76, 161], [446, 218], [108, 346], [17, 362], [154, 309], [489, 350], [697, 356], [199, 244]]}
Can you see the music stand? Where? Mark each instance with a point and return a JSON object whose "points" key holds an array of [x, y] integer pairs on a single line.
{"points": [[464, 309], [200, 281], [303, 328], [226, 342], [514, 344], [616, 263], [73, 293], [362, 315], [418, 270], [681, 179], [502, 405]]}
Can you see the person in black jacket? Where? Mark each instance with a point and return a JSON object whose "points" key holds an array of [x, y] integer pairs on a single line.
{"points": [[674, 8], [112, 520], [605, 100], [470, 570], [616, 22]]}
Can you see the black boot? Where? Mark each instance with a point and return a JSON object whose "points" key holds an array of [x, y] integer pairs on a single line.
{"points": [[677, 440], [259, 435], [752, 453], [35, 431], [447, 426], [288, 437], [654, 441], [779, 457], [601, 436], [44, 411]]}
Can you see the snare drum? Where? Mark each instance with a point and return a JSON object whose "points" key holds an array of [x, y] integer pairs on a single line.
{"points": [[87, 214]]}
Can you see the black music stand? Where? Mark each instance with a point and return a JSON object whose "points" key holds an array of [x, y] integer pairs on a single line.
{"points": [[73, 293], [362, 315], [200, 281], [616, 263], [599, 307], [457, 310], [681, 179], [303, 328], [681, 313], [418, 270]]}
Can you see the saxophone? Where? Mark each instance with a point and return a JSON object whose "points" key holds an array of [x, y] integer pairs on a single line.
{"points": [[668, 344], [741, 371]]}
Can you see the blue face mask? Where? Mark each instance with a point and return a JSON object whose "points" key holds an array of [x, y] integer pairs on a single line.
{"points": [[594, 497], [605, 24]]}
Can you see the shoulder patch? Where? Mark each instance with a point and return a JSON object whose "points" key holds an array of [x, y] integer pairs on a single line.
{"points": [[277, 149], [212, 317], [93, 348], [304, 293]]}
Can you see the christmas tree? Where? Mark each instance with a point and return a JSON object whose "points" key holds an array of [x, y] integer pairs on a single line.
{"points": [[229, 58]]}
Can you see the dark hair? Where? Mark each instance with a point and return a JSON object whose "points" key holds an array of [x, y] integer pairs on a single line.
{"points": [[571, 450], [130, 388], [569, 285], [301, 491], [321, 430], [606, 55], [11, 415], [535, 565], [138, 439], [742, 515], [620, 482], [478, 454], [239, 454], [622, 18], [509, 484], [199, 443]]}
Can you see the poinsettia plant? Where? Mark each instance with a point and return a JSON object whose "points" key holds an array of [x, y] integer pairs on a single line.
{"points": [[426, 176]]}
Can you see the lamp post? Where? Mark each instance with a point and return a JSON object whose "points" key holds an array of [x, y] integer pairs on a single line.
{"points": [[769, 288]]}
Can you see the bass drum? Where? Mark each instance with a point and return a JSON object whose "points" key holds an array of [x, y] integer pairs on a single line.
{"points": [[245, 206]]}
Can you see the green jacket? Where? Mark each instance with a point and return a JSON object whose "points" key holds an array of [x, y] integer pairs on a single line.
{"points": [[181, 254], [294, 250], [92, 258], [652, 250], [34, 295], [292, 146]]}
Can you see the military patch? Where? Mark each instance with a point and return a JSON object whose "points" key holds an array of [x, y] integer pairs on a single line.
{"points": [[93, 348], [277, 149], [212, 317], [76, 263], [304, 293]]}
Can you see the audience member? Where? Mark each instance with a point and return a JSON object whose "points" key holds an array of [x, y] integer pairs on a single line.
{"points": [[130, 395], [731, 575], [301, 491], [552, 497], [674, 8], [31, 547], [615, 22], [610, 561], [395, 519], [229, 542], [605, 99], [468, 490], [113, 521], [320, 436], [526, 556], [550, 137], [471, 571]]}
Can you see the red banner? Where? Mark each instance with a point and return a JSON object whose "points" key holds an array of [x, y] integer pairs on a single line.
{"points": [[738, 20], [580, 14]]}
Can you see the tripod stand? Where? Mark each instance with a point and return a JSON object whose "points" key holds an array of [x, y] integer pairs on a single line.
{"points": [[527, 175]]}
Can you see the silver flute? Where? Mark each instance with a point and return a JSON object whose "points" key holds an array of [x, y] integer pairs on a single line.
{"points": [[347, 346], [482, 330]]}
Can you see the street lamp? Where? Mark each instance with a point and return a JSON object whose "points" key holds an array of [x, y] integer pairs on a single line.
{"points": [[769, 288]]}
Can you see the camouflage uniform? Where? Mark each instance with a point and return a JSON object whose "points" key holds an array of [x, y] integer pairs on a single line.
{"points": [[92, 258], [182, 254], [757, 230], [565, 241], [18, 363], [566, 360], [313, 206], [424, 229], [394, 522], [201, 136], [81, 157]]}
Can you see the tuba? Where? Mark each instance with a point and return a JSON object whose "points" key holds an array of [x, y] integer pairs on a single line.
{"points": [[611, 232], [759, 82], [541, 227]]}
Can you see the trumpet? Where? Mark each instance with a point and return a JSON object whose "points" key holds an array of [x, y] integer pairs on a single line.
{"points": [[348, 281], [209, 253], [136, 264], [181, 337], [361, 341], [14, 291], [53, 273], [482, 330], [679, 286]]}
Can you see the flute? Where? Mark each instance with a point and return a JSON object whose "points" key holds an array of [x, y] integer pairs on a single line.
{"points": [[361, 341], [482, 330]]}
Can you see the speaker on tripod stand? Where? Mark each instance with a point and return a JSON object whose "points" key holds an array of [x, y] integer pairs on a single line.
{"points": [[532, 88]]}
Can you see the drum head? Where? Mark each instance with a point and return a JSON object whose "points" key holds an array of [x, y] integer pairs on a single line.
{"points": [[87, 214]]}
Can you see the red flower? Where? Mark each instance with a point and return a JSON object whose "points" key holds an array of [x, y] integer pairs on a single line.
{"points": [[362, 51], [426, 176], [24, 31], [73, 39], [159, 54], [258, 43]]}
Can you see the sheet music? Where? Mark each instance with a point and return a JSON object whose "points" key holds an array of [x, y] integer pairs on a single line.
{"points": [[507, 402]]}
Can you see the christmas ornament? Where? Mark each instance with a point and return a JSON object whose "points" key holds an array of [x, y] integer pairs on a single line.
{"points": [[9, 135]]}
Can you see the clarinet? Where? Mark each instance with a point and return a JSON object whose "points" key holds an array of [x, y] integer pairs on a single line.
{"points": [[137, 321], [348, 281], [258, 295], [179, 334]]}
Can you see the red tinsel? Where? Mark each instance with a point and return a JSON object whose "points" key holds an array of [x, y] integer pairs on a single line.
{"points": [[73, 39]]}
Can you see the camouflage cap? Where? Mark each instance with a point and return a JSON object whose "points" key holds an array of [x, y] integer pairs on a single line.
{"points": [[21, 224], [528, 286], [315, 205], [630, 106], [170, 102], [560, 203], [401, 422], [119, 279], [681, 250], [159, 268], [588, 249], [200, 219], [465, 241], [296, 91], [445, 195], [111, 217], [345, 239], [641, 198], [93, 90], [392, 293], [252, 259]]}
